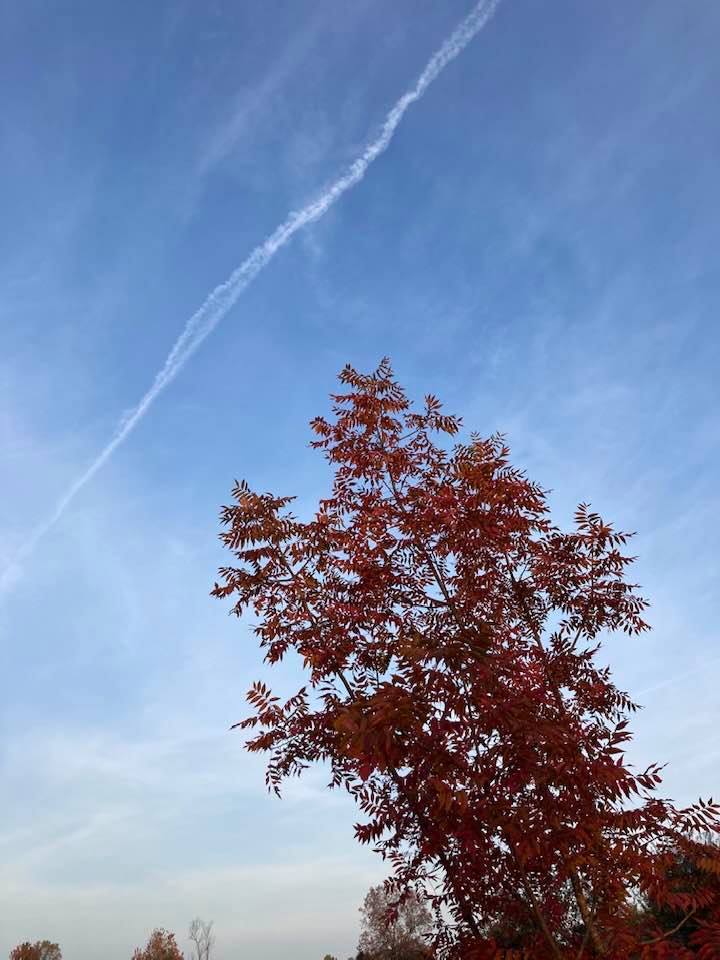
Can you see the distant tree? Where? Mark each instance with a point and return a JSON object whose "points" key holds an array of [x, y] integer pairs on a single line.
{"points": [[40, 950], [200, 933], [160, 946], [393, 928]]}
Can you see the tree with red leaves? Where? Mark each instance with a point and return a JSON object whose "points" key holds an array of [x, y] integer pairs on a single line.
{"points": [[449, 632], [160, 946], [40, 950], [682, 910]]}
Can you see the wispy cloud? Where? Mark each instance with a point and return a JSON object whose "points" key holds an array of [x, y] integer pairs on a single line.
{"points": [[221, 300], [250, 104], [677, 678]]}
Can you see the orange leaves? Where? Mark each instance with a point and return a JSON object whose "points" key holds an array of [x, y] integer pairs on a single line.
{"points": [[702, 816], [710, 865], [160, 946], [260, 696], [40, 950]]}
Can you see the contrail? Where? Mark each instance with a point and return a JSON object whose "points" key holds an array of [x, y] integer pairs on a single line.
{"points": [[677, 677], [221, 300]]}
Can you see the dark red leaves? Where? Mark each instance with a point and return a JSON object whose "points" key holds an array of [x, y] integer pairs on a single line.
{"points": [[449, 632]]}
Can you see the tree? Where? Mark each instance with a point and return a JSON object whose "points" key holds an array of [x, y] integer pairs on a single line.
{"points": [[686, 901], [449, 632], [40, 950], [160, 946], [392, 930], [200, 933]]}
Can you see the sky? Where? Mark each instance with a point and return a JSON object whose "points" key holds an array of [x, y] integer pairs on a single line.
{"points": [[536, 246]]}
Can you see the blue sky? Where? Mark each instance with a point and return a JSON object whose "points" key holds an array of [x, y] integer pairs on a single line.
{"points": [[537, 246]]}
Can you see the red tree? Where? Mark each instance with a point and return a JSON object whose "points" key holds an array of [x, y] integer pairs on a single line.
{"points": [[160, 946], [681, 910], [449, 632], [40, 950]]}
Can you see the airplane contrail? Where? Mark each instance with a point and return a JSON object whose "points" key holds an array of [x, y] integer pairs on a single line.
{"points": [[221, 300], [675, 678]]}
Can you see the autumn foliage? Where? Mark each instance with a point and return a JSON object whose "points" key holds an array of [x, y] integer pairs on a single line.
{"points": [[449, 631], [40, 950], [160, 946]]}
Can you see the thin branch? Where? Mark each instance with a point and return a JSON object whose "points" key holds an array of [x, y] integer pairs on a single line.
{"points": [[669, 933]]}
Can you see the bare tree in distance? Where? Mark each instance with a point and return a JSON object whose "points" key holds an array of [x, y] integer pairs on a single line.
{"points": [[394, 928], [200, 933]]}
